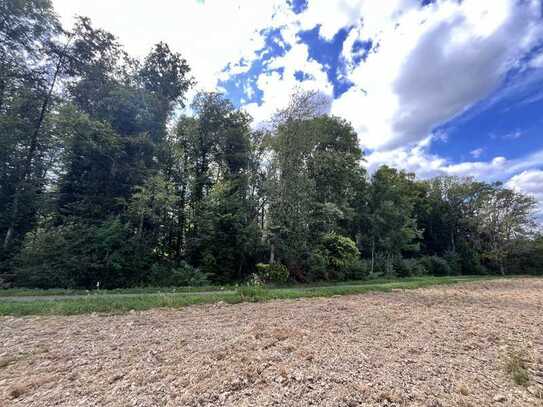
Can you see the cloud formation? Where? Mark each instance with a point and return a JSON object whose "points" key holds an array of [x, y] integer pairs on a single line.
{"points": [[529, 182], [432, 63], [209, 34]]}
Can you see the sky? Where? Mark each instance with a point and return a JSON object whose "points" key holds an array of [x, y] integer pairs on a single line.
{"points": [[436, 87]]}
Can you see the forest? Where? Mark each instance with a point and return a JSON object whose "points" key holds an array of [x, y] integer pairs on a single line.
{"points": [[106, 180]]}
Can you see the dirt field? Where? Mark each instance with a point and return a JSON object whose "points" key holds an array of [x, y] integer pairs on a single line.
{"points": [[445, 346]]}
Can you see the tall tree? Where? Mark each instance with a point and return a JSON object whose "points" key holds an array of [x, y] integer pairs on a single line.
{"points": [[30, 64], [506, 218], [393, 229]]}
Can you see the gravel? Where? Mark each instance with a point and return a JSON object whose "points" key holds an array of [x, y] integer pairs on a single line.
{"points": [[443, 346]]}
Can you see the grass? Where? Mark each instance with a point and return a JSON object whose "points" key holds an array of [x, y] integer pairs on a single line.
{"points": [[119, 304], [516, 366], [61, 292], [30, 292]]}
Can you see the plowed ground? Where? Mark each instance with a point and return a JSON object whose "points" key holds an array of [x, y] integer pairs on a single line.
{"points": [[443, 346]]}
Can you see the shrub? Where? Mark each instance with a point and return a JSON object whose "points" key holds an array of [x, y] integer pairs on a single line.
{"points": [[340, 253], [273, 273], [409, 268], [209, 265], [182, 275], [317, 266], [454, 261], [359, 270], [79, 255], [436, 266], [4, 283], [471, 262]]}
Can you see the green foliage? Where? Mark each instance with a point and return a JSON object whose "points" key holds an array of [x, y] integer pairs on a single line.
{"points": [[317, 265], [81, 255], [471, 261], [252, 291], [409, 268], [393, 228], [436, 266], [336, 258], [454, 260], [181, 275], [273, 273], [341, 253], [313, 169], [358, 270]]}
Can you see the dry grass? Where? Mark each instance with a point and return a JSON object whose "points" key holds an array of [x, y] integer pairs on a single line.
{"points": [[7, 360]]}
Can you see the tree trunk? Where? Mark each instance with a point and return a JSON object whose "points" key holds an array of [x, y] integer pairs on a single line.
{"points": [[181, 225], [3, 81], [27, 168], [272, 252], [372, 255]]}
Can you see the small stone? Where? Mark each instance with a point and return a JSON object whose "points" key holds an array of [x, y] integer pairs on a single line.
{"points": [[499, 398]]}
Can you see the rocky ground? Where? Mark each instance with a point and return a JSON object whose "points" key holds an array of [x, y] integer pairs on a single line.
{"points": [[445, 346]]}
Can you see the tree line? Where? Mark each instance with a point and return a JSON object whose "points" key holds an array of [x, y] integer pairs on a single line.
{"points": [[102, 180]]}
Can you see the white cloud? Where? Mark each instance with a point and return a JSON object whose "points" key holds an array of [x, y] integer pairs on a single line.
{"points": [[513, 135], [537, 61], [277, 88], [416, 159], [433, 63], [209, 35], [478, 152], [419, 160], [430, 63], [529, 182]]}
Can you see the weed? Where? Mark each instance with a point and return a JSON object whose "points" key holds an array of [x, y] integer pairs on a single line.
{"points": [[253, 291], [4, 362], [516, 366]]}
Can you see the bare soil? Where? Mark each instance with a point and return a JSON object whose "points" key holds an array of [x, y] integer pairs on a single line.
{"points": [[443, 346]]}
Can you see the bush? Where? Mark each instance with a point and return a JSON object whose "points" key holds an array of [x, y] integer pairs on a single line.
{"points": [[4, 283], [183, 275], [317, 265], [436, 266], [79, 255], [409, 268], [471, 262], [340, 253], [454, 261], [359, 270], [209, 265], [273, 273]]}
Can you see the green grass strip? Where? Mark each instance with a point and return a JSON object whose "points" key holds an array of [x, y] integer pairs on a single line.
{"points": [[117, 304]]}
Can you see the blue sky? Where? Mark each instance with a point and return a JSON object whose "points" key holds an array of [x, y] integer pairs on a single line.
{"points": [[442, 87]]}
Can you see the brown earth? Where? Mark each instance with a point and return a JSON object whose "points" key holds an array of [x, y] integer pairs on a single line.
{"points": [[445, 346]]}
